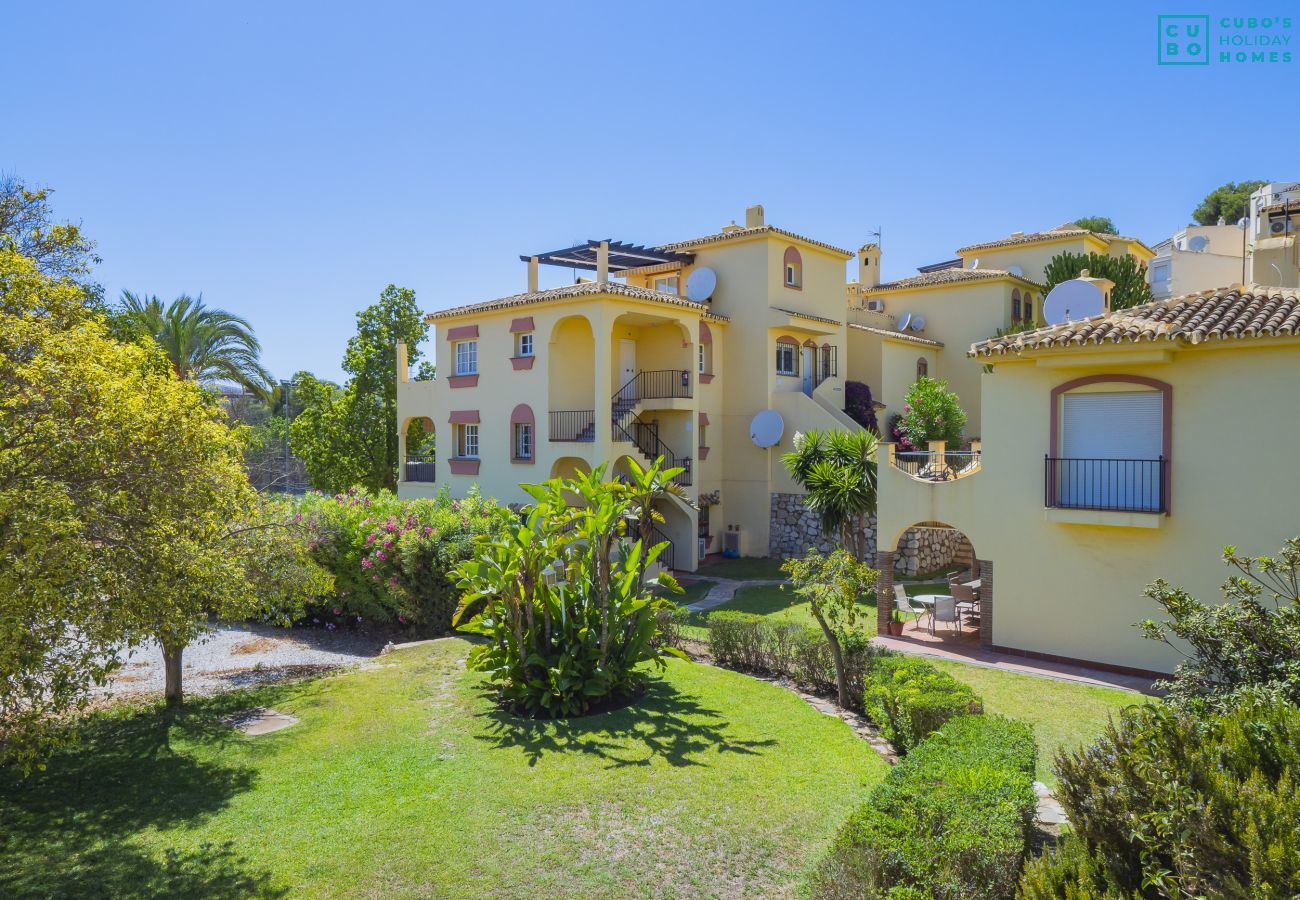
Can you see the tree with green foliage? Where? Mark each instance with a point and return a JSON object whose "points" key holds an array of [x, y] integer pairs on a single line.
{"points": [[1229, 202], [570, 616], [59, 250], [1130, 277], [645, 489], [348, 437], [1248, 645], [210, 346], [931, 412], [832, 585], [1098, 224], [838, 471], [115, 477]]}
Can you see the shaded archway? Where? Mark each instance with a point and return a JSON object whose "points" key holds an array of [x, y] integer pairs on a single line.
{"points": [[936, 567], [571, 375], [416, 449]]}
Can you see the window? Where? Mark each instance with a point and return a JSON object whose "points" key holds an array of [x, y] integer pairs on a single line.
{"points": [[702, 367], [666, 284], [523, 448], [922, 368], [1015, 305], [524, 344], [702, 442], [1112, 451], [467, 441], [793, 265], [467, 358], [1160, 271], [786, 359], [1029, 308]]}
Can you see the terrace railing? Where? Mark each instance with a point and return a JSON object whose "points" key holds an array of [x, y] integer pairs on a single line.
{"points": [[1109, 485], [574, 425], [657, 384], [937, 464], [419, 471]]}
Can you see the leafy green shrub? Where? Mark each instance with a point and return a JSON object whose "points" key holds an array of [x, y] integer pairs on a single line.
{"points": [[391, 559], [909, 698], [1130, 276], [1247, 645], [564, 599], [931, 412], [1168, 804], [951, 821], [754, 643]]}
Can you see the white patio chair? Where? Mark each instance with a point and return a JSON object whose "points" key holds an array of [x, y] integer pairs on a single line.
{"points": [[907, 606], [945, 610]]}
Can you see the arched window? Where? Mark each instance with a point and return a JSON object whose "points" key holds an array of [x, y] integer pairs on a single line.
{"points": [[706, 353], [922, 368], [1015, 304], [793, 269], [523, 431], [1029, 307]]}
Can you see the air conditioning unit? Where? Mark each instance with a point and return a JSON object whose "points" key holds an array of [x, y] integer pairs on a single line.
{"points": [[876, 305], [731, 544], [1278, 226]]}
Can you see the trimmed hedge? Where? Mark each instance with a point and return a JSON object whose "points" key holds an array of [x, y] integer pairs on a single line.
{"points": [[952, 820], [754, 643], [909, 698]]}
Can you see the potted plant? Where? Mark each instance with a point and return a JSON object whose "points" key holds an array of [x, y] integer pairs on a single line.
{"points": [[895, 623]]}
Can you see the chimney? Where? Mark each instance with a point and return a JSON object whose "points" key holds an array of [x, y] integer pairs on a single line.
{"points": [[532, 275], [754, 216], [868, 266], [602, 262], [403, 366], [1105, 285]]}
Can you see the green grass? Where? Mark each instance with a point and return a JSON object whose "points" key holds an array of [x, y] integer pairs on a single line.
{"points": [[743, 568], [692, 592], [1063, 714], [404, 779]]}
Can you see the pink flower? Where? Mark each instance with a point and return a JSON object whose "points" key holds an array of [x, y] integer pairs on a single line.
{"points": [[337, 611], [367, 563], [427, 531], [388, 545], [401, 618], [370, 539], [382, 555], [374, 578]]}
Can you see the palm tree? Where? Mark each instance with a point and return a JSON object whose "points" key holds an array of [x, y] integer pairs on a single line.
{"points": [[203, 344], [838, 470]]}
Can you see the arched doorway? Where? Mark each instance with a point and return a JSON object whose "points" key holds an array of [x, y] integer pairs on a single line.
{"points": [[417, 448], [931, 576]]}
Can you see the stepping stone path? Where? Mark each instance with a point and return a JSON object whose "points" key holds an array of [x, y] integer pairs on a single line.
{"points": [[725, 589], [258, 721]]}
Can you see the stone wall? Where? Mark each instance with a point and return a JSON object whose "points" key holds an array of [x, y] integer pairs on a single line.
{"points": [[922, 550], [794, 529]]}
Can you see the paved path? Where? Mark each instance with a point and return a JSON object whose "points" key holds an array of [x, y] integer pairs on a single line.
{"points": [[725, 589]]}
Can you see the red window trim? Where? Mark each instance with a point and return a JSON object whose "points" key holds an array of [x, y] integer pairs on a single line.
{"points": [[462, 333], [522, 324]]}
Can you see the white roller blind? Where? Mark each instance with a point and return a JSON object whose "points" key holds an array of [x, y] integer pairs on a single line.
{"points": [[1126, 425]]}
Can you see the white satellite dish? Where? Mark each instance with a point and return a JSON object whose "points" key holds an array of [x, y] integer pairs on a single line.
{"points": [[766, 428], [1071, 300], [918, 323], [1198, 243], [903, 321], [975, 263], [1016, 270], [701, 284]]}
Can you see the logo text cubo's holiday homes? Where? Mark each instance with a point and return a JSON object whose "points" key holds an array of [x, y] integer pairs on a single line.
{"points": [[1229, 40]]}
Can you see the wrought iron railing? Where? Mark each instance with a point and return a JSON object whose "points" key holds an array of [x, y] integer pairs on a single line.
{"points": [[1113, 485], [827, 365], [946, 466], [573, 425], [419, 470], [657, 384], [645, 435], [668, 558]]}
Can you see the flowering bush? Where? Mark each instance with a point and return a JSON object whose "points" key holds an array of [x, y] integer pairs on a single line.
{"points": [[858, 405], [391, 559], [931, 413]]}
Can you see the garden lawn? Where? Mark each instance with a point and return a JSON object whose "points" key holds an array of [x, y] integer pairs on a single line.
{"points": [[744, 568], [1065, 715], [404, 779]]}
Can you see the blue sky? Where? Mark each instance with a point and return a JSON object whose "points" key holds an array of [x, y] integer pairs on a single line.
{"points": [[288, 160]]}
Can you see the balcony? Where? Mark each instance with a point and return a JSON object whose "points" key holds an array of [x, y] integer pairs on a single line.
{"points": [[658, 384], [937, 463], [420, 471], [1106, 485], [573, 425]]}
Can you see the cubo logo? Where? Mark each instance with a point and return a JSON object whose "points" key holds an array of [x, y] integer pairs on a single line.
{"points": [[1184, 40]]}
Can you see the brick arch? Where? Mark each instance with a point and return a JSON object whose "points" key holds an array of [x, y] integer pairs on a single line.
{"points": [[786, 339]]}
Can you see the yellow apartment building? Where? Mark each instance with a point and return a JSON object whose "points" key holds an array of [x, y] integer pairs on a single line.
{"points": [[670, 350], [1117, 449], [924, 324]]}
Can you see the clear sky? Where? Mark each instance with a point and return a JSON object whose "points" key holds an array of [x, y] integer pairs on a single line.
{"points": [[288, 160]]}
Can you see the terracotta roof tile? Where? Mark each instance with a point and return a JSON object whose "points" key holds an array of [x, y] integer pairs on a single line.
{"points": [[587, 288], [1234, 313], [898, 335], [741, 233], [1051, 234], [809, 316], [942, 277]]}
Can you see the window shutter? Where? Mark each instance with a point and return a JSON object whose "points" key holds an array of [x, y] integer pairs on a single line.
{"points": [[1125, 425]]}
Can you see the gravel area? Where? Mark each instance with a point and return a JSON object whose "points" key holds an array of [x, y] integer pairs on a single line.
{"points": [[236, 656]]}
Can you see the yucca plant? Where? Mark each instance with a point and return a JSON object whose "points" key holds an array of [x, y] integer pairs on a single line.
{"points": [[838, 470], [564, 601]]}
